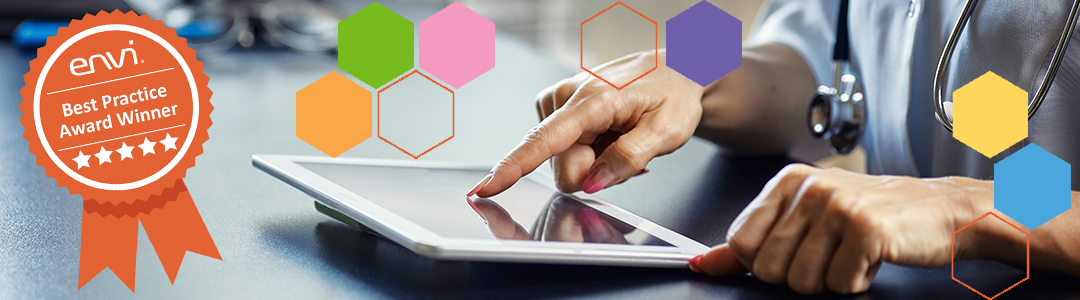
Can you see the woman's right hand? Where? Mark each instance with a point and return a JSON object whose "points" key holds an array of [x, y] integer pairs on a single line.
{"points": [[581, 116]]}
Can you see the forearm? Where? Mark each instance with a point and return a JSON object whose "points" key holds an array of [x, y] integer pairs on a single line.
{"points": [[1055, 245], [761, 107]]}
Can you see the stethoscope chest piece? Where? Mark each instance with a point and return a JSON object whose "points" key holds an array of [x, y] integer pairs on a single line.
{"points": [[838, 114]]}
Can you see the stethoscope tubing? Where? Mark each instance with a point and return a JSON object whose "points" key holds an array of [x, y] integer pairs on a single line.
{"points": [[950, 46]]}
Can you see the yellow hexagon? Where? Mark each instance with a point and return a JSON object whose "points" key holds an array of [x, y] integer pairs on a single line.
{"points": [[990, 114]]}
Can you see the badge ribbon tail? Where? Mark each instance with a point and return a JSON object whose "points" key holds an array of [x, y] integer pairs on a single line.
{"points": [[108, 242], [174, 227]]}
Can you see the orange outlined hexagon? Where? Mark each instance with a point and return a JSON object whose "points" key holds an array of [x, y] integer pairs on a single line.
{"points": [[453, 121], [1027, 261], [333, 114], [656, 48]]}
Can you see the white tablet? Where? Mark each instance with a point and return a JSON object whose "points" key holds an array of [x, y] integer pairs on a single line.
{"points": [[422, 206]]}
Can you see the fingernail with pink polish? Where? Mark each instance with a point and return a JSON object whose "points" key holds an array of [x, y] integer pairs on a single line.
{"points": [[599, 179], [479, 185], [695, 264]]}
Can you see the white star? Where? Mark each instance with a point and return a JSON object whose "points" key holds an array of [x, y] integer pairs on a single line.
{"points": [[82, 160], [125, 151], [147, 146], [169, 142], [103, 156]]}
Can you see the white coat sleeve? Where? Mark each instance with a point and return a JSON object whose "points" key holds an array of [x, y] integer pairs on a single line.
{"points": [[807, 26]]}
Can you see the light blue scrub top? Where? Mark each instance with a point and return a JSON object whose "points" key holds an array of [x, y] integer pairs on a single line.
{"points": [[896, 45]]}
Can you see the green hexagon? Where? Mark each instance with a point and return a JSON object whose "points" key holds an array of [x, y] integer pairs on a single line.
{"points": [[375, 45]]}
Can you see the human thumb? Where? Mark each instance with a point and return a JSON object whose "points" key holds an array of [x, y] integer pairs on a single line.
{"points": [[721, 260]]}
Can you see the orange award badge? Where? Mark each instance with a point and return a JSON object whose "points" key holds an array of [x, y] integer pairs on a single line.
{"points": [[116, 109]]}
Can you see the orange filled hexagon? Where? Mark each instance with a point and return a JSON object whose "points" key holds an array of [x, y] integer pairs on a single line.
{"points": [[333, 114]]}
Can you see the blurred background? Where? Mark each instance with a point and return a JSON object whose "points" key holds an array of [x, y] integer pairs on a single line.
{"points": [[555, 25], [310, 25], [215, 27]]}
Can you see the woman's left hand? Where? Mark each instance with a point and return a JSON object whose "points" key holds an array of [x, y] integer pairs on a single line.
{"points": [[815, 229]]}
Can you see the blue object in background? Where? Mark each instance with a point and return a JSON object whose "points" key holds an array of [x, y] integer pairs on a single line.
{"points": [[201, 29], [1032, 186], [32, 34]]}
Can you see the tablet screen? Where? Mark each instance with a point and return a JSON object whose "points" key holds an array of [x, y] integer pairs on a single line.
{"points": [[435, 199]]}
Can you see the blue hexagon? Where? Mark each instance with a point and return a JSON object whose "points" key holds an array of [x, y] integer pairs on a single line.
{"points": [[1032, 186], [704, 43]]}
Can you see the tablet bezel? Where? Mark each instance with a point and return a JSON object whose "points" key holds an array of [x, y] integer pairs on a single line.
{"points": [[430, 244]]}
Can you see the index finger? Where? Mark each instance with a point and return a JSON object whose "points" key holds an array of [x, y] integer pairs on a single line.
{"points": [[753, 225], [551, 137]]}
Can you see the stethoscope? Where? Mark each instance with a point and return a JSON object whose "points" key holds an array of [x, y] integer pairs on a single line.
{"points": [[838, 113]]}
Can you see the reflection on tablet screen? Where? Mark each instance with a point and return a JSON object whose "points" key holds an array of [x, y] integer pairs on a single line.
{"points": [[433, 199]]}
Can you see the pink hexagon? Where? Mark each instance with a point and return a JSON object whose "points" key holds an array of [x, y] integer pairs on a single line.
{"points": [[457, 45]]}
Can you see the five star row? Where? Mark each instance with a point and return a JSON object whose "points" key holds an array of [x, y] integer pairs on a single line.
{"points": [[105, 156]]}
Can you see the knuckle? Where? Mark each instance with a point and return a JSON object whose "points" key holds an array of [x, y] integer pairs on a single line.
{"points": [[535, 134], [845, 206], [564, 89], [787, 170], [816, 189], [672, 134], [509, 161], [768, 272], [511, 166], [592, 102], [836, 213], [516, 160], [862, 219], [796, 169], [841, 200], [666, 130], [541, 98], [630, 154], [742, 247], [547, 91], [814, 194], [794, 172]]}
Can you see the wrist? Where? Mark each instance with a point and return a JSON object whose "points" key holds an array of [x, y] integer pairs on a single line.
{"points": [[990, 238], [695, 91], [760, 107], [737, 111]]}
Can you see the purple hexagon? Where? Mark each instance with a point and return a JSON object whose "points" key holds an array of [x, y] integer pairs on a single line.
{"points": [[457, 45], [704, 43]]}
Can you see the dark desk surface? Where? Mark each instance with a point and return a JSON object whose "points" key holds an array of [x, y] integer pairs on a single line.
{"points": [[275, 245]]}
